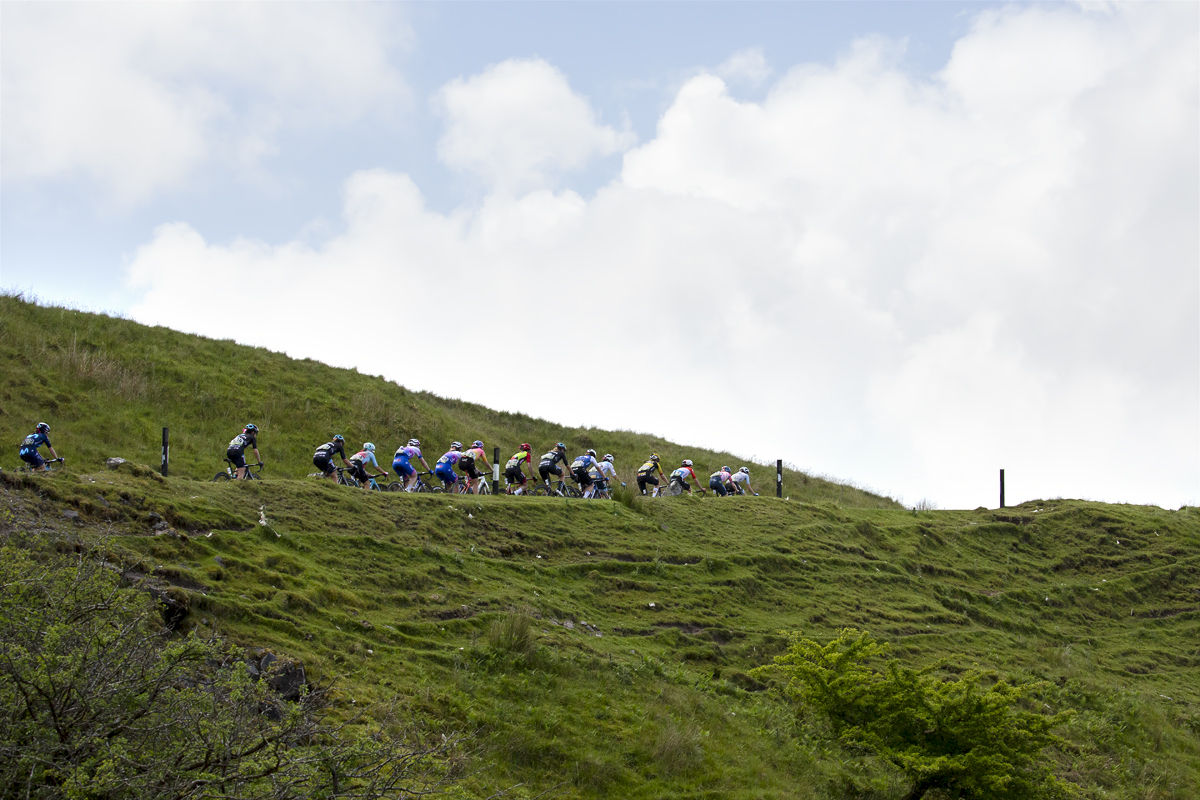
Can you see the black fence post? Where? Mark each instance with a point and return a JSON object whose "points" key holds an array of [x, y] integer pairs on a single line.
{"points": [[495, 470], [779, 478], [166, 453], [1002, 488]]}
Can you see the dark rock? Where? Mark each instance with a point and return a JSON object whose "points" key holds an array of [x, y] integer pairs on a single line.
{"points": [[220, 561], [288, 679], [154, 519], [113, 463], [100, 499], [71, 514], [173, 603], [267, 661], [160, 524], [271, 712]]}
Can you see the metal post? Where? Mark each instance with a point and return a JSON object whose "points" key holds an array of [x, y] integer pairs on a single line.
{"points": [[1002, 488], [495, 470], [166, 451], [779, 478]]}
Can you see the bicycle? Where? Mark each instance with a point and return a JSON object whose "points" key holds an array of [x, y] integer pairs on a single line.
{"points": [[674, 489], [230, 474], [547, 489], [33, 471], [420, 487]]}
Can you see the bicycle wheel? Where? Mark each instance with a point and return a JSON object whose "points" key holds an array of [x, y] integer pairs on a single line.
{"points": [[220, 476], [542, 490], [571, 491], [395, 486], [485, 488]]}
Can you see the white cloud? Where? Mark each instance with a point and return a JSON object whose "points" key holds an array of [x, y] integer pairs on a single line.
{"points": [[907, 284], [518, 125], [138, 96], [748, 65]]}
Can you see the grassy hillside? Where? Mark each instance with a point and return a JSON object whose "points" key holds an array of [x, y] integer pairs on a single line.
{"points": [[108, 387], [595, 649]]}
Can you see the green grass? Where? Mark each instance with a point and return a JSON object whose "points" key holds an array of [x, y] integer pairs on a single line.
{"points": [[108, 387], [530, 623]]}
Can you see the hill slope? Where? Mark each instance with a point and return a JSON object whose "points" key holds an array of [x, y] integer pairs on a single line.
{"points": [[595, 649], [109, 386]]}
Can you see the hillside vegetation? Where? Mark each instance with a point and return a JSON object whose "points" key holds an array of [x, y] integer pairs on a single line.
{"points": [[598, 649], [108, 387]]}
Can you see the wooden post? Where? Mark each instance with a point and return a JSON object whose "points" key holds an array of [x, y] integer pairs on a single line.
{"points": [[779, 478], [495, 470], [1002, 488], [166, 451]]}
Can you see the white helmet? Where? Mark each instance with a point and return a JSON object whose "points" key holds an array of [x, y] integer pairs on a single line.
{"points": [[368, 446], [608, 457], [745, 470], [456, 445], [414, 443], [687, 462]]}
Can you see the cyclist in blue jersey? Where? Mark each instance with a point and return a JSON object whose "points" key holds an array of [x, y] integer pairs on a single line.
{"points": [[29, 448], [580, 468], [359, 463], [323, 457], [237, 448], [401, 463], [444, 468]]}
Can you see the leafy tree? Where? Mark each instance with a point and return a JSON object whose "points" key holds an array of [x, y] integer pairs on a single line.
{"points": [[957, 736], [97, 701]]}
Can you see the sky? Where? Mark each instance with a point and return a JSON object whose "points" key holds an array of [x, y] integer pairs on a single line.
{"points": [[900, 244]]}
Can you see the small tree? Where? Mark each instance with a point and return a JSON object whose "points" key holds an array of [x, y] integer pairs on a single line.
{"points": [[98, 701], [957, 736]]}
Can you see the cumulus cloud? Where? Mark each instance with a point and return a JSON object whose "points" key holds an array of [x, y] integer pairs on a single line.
{"points": [[748, 65], [138, 96], [907, 283], [519, 126]]}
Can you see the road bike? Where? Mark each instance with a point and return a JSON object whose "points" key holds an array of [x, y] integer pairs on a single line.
{"points": [[557, 489], [230, 472], [47, 462], [420, 487]]}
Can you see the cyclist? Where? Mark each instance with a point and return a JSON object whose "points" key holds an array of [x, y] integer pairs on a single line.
{"points": [[645, 473], [740, 477], [721, 482], [237, 448], [685, 470], [580, 471], [323, 458], [549, 464], [602, 473], [29, 448], [514, 471], [359, 462], [400, 463], [467, 465], [444, 468]]}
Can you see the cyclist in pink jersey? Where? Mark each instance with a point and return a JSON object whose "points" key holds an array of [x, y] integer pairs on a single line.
{"points": [[466, 465]]}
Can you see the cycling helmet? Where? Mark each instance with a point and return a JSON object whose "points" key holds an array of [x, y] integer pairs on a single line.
{"points": [[654, 457], [368, 446], [43, 427], [528, 448], [414, 443], [687, 462], [591, 452], [477, 443], [608, 457], [745, 470], [726, 469], [339, 438], [560, 446], [456, 445], [250, 426]]}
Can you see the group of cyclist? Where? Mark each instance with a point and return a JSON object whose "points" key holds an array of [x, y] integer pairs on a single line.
{"points": [[590, 471]]}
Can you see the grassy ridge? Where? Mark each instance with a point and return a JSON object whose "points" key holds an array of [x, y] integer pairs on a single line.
{"points": [[108, 386], [598, 649]]}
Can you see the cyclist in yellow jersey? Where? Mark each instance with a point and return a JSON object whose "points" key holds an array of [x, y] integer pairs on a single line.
{"points": [[514, 470], [645, 473]]}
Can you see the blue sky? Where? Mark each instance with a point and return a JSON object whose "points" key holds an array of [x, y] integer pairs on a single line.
{"points": [[900, 243]]}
